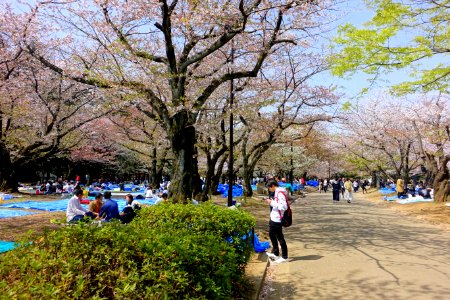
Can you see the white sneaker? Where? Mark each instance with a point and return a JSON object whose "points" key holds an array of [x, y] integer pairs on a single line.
{"points": [[280, 260], [271, 255]]}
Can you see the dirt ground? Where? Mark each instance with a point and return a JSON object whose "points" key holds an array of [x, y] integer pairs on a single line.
{"points": [[13, 229]]}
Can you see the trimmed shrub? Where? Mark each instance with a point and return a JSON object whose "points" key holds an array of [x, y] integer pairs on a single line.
{"points": [[169, 251]]}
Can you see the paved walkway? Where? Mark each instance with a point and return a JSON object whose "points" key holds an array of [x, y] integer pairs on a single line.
{"points": [[360, 251]]}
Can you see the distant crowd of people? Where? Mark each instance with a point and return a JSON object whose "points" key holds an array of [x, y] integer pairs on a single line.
{"points": [[343, 187]]}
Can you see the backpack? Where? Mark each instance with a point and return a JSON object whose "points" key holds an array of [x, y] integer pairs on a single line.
{"points": [[286, 219]]}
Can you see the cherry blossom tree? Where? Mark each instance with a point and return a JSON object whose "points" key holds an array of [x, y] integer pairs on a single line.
{"points": [[431, 122], [145, 138], [171, 55], [381, 138], [292, 105], [42, 115]]}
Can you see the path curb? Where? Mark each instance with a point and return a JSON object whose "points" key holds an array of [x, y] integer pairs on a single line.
{"points": [[256, 271]]}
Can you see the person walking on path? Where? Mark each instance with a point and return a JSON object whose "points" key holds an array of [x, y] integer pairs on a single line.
{"points": [[364, 186], [325, 185], [348, 190], [277, 207], [336, 185]]}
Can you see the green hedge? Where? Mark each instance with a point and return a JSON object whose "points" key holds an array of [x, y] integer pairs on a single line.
{"points": [[167, 252]]}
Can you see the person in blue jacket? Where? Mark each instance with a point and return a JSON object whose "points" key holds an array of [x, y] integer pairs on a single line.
{"points": [[110, 209]]}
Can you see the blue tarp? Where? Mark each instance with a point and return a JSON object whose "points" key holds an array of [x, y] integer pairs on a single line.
{"points": [[387, 191], [61, 205], [6, 246], [414, 200], [260, 246], [393, 198], [257, 245], [238, 190], [6, 196], [312, 183], [58, 205], [10, 213]]}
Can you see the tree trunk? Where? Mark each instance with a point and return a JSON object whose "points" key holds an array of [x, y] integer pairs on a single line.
{"points": [[375, 181], [196, 180], [182, 137], [247, 174], [154, 180], [248, 192], [8, 183], [209, 177], [215, 180], [441, 183]]}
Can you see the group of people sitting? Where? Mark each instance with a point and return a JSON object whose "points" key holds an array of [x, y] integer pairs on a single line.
{"points": [[106, 210], [405, 191]]}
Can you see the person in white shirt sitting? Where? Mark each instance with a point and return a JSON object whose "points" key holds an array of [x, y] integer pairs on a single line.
{"points": [[75, 212], [149, 194]]}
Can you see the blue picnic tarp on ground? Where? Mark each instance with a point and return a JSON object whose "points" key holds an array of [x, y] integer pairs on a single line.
{"points": [[58, 205], [387, 191], [258, 246], [312, 183], [414, 200], [392, 198], [10, 213], [238, 190], [61, 205], [6, 246]]}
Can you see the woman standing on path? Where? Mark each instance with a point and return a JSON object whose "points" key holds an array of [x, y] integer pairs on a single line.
{"points": [[336, 184], [277, 207]]}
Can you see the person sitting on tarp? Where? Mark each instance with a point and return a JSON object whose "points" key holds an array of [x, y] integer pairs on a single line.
{"points": [[150, 193], [75, 212], [424, 192], [163, 199], [96, 205], [128, 213], [110, 209], [85, 192]]}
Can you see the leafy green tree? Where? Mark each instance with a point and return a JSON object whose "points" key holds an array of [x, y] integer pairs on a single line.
{"points": [[410, 35]]}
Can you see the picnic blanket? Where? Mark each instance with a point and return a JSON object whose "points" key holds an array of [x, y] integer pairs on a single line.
{"points": [[61, 205], [414, 200], [6, 246], [11, 213]]}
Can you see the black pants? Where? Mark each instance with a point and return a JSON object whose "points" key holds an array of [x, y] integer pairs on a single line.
{"points": [[276, 236], [336, 195]]}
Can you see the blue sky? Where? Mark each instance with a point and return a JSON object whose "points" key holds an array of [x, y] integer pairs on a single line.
{"points": [[356, 13]]}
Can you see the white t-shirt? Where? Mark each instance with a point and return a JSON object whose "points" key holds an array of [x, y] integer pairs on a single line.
{"points": [[149, 194], [74, 208], [279, 205]]}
